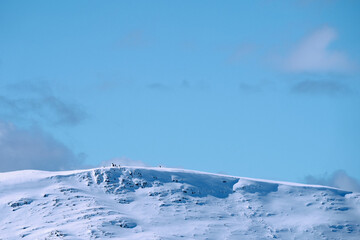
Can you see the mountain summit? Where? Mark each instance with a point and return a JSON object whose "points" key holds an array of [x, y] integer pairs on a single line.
{"points": [[163, 203]]}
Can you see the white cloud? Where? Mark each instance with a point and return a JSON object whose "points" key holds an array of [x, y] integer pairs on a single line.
{"points": [[33, 149], [313, 54]]}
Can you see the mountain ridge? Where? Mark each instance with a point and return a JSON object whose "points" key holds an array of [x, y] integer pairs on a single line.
{"points": [[165, 203]]}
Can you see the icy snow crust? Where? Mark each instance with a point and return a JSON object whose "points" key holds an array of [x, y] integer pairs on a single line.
{"points": [[163, 203]]}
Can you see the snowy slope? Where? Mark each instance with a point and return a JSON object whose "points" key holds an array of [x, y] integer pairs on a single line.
{"points": [[162, 203]]}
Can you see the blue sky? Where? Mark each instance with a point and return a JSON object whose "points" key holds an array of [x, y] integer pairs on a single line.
{"points": [[265, 89]]}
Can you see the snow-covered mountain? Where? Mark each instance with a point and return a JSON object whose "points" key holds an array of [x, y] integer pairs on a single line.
{"points": [[163, 203]]}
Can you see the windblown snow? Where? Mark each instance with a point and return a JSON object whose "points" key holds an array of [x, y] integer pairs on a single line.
{"points": [[163, 203]]}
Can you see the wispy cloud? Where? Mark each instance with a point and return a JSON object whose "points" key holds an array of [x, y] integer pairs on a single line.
{"points": [[185, 84], [36, 101], [249, 88], [107, 85], [133, 39], [33, 149], [313, 54], [241, 52], [319, 87], [338, 179]]}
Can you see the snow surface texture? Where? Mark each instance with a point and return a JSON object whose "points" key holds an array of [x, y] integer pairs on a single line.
{"points": [[163, 203]]}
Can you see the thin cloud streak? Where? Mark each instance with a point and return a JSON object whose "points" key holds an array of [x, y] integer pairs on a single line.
{"points": [[37, 102], [158, 86], [317, 87]]}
